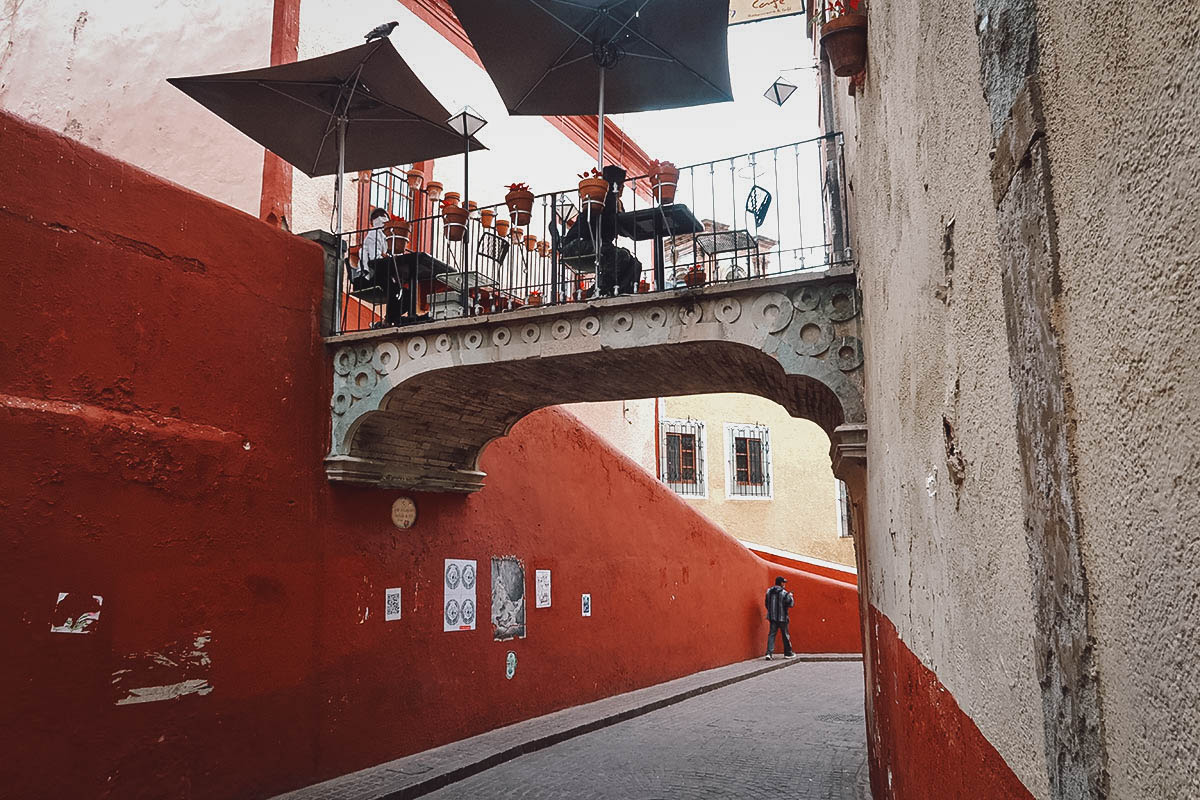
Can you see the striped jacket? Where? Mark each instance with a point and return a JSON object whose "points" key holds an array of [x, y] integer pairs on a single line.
{"points": [[779, 600]]}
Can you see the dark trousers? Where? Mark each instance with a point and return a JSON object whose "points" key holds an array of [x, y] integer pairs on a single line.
{"points": [[782, 627]]}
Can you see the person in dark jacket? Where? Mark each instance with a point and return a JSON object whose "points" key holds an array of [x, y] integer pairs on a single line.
{"points": [[779, 600]]}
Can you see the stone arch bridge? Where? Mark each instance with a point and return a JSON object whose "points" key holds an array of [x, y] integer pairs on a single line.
{"points": [[415, 407]]}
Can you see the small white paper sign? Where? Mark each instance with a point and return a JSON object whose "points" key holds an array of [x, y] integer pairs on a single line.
{"points": [[587, 605], [542, 584], [391, 605]]}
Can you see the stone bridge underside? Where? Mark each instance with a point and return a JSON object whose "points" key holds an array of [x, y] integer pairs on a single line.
{"points": [[415, 407]]}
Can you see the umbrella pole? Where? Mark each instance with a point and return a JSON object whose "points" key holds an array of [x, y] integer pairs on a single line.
{"points": [[341, 174], [600, 148]]}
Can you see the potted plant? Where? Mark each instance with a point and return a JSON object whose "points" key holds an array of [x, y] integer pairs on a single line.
{"points": [[643, 287], [454, 218], [695, 276], [544, 249], [520, 203], [535, 298], [502, 227], [531, 243], [396, 233], [454, 198], [516, 234], [844, 37], [664, 178], [434, 190], [487, 217], [592, 189]]}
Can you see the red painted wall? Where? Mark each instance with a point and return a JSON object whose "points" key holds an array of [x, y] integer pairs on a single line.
{"points": [[164, 402], [923, 746]]}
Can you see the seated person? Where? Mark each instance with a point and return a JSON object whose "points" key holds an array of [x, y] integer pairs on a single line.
{"points": [[374, 244], [375, 264], [618, 269]]}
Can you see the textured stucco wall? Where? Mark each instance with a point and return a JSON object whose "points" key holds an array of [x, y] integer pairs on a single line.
{"points": [[164, 422], [801, 517], [627, 425], [946, 544], [96, 71], [1120, 97]]}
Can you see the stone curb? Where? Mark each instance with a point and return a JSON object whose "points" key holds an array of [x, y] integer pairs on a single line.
{"points": [[422, 773]]}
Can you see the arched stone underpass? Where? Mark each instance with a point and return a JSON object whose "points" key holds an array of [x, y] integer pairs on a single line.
{"points": [[415, 407]]}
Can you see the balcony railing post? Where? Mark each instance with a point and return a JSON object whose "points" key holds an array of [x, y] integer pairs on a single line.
{"points": [[555, 238]]}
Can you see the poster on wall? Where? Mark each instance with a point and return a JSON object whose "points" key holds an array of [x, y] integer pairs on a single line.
{"points": [[508, 598], [541, 580], [757, 10], [458, 606], [391, 605]]}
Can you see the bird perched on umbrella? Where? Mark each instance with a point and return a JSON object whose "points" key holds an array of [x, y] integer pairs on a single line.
{"points": [[382, 31]]}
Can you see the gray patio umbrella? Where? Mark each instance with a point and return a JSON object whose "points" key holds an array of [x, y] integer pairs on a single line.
{"points": [[355, 109], [559, 56]]}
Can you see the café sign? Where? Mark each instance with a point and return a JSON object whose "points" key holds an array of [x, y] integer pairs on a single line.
{"points": [[756, 10]]}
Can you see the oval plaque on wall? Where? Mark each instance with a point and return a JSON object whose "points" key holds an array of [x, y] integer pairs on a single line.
{"points": [[404, 513]]}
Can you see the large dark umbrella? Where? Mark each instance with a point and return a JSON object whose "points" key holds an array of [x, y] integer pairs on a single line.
{"points": [[356, 109], [558, 56]]}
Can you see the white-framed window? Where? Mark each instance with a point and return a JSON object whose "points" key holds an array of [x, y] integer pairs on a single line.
{"points": [[681, 460], [844, 528], [748, 462]]}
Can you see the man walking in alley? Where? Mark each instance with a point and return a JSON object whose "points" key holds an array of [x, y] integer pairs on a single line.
{"points": [[779, 600]]}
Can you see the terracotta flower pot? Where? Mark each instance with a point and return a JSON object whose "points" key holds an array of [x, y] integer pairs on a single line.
{"points": [[663, 183], [544, 249], [472, 205], [531, 242], [516, 234], [643, 287], [845, 41], [415, 179], [535, 298], [453, 198], [591, 193], [396, 233], [434, 190], [502, 227], [695, 277], [454, 218], [487, 217], [520, 205]]}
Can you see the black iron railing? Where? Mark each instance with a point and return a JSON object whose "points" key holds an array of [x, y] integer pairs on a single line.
{"points": [[760, 214]]}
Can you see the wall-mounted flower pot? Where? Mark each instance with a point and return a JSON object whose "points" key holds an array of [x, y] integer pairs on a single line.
{"points": [[845, 41], [455, 220], [520, 205], [591, 193]]}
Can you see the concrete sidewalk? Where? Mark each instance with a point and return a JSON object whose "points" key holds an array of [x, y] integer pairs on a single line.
{"points": [[422, 773]]}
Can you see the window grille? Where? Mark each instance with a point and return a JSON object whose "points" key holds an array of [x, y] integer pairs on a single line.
{"points": [[681, 456], [386, 189], [748, 461]]}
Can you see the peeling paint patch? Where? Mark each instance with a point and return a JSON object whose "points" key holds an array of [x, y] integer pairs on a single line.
{"points": [[153, 694], [75, 613], [175, 670]]}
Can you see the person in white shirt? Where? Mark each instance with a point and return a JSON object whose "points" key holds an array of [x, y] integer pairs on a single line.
{"points": [[374, 244]]}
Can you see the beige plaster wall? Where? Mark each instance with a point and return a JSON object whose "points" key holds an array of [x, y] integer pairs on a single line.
{"points": [[96, 71], [948, 563], [801, 515], [627, 425], [1123, 127]]}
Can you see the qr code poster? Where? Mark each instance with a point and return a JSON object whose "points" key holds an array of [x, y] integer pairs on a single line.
{"points": [[541, 581], [587, 605], [458, 607], [391, 605], [508, 598]]}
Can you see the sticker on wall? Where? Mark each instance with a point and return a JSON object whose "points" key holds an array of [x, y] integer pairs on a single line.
{"points": [[587, 605], [541, 580], [75, 612], [391, 605], [404, 513], [170, 671], [510, 665], [508, 598], [458, 604]]}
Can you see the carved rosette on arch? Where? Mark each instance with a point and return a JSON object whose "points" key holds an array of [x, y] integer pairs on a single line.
{"points": [[414, 408]]}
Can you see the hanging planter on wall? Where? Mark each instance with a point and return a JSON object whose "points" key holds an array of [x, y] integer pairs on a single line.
{"points": [[520, 203], [844, 37]]}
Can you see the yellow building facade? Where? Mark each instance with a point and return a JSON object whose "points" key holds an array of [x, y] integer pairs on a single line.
{"points": [[762, 474]]}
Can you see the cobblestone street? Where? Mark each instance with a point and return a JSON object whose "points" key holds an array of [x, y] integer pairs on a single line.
{"points": [[792, 733]]}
